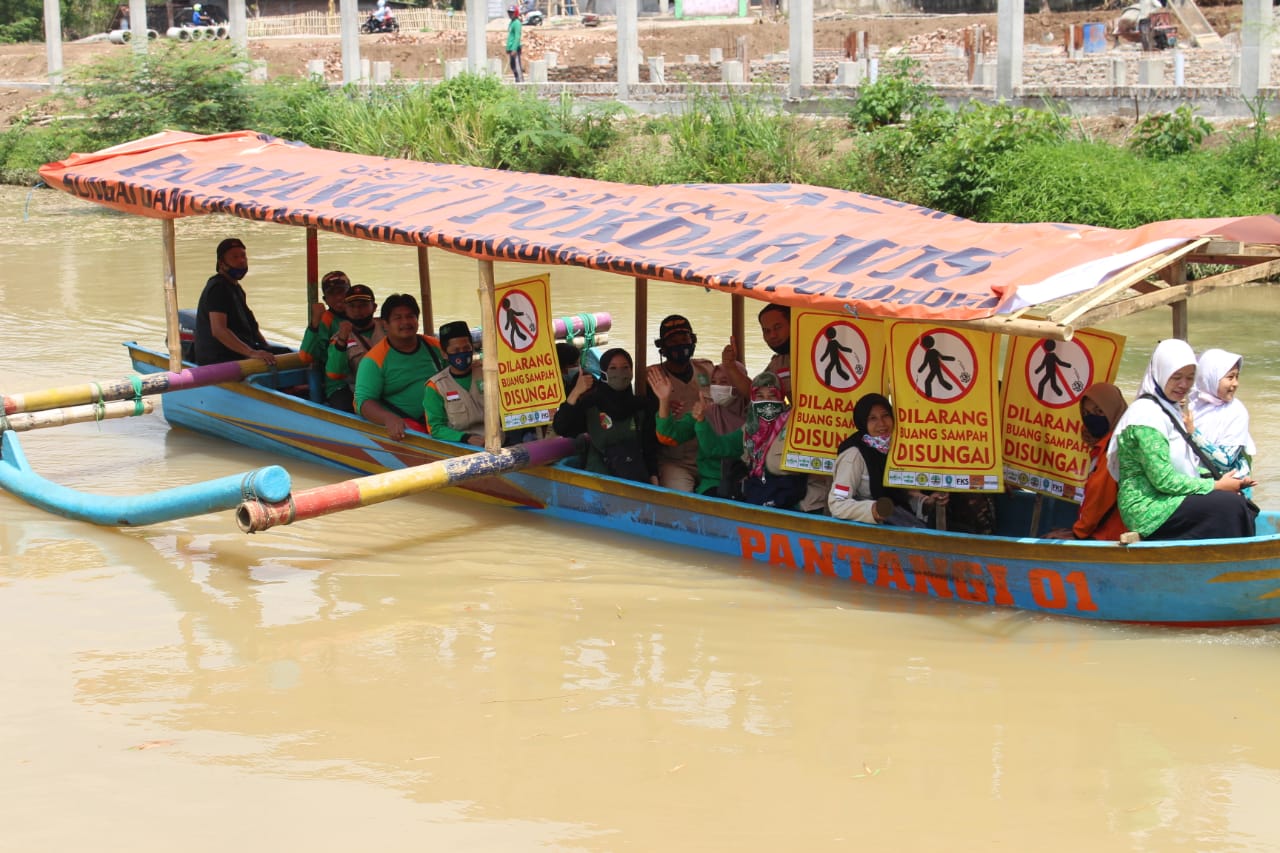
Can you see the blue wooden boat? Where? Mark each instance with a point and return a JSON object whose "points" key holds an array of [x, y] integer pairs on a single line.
{"points": [[958, 272]]}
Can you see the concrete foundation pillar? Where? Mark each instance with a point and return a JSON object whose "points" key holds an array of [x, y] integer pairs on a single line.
{"points": [[381, 73], [494, 65], [1117, 73], [315, 69], [538, 71], [691, 59], [873, 70], [657, 69], [1179, 69], [715, 55], [1151, 72], [849, 73], [731, 71], [800, 43], [551, 57], [454, 67]]}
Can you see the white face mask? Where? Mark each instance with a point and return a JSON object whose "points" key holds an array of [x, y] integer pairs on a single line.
{"points": [[721, 394]]}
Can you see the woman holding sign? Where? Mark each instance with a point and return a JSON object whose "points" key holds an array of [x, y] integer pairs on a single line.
{"points": [[1151, 455]]}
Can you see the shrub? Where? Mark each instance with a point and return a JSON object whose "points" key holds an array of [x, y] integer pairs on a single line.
{"points": [[897, 93], [1160, 136]]}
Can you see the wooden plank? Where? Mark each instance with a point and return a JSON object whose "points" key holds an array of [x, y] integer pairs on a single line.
{"points": [[1243, 277], [1072, 309]]}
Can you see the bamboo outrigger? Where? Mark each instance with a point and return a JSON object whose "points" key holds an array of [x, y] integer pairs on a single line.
{"points": [[784, 244]]}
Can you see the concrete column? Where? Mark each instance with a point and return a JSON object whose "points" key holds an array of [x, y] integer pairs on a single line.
{"points": [[477, 52], [1179, 69], [715, 55], [315, 69], [348, 16], [381, 73], [454, 67], [1118, 74], [138, 25], [1008, 47], [53, 40], [848, 74], [537, 71], [628, 48], [1151, 72], [691, 59], [551, 57], [873, 70], [800, 30], [664, 7], [657, 69], [497, 66], [1255, 47], [238, 26], [731, 71]]}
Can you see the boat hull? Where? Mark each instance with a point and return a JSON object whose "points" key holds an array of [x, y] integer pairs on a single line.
{"points": [[1218, 583]]}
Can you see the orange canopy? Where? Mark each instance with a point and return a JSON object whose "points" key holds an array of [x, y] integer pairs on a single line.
{"points": [[783, 243]]}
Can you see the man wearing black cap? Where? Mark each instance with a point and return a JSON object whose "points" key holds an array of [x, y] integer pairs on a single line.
{"points": [[690, 378], [453, 402], [226, 329], [326, 315], [389, 379], [354, 337]]}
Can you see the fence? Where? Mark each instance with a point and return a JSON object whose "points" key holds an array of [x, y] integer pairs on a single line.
{"points": [[322, 23]]}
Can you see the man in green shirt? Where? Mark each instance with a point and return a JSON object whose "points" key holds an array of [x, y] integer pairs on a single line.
{"points": [[390, 378], [514, 32]]}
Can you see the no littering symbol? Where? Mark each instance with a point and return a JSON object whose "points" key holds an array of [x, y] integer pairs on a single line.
{"points": [[517, 320], [942, 366], [1058, 372], [840, 356]]}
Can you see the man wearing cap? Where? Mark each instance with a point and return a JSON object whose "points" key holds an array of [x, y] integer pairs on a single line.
{"points": [[389, 379], [514, 31], [690, 379], [351, 341], [453, 401], [326, 315], [775, 328], [226, 329]]}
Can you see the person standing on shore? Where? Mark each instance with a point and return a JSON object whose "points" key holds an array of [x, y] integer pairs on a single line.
{"points": [[514, 32]]}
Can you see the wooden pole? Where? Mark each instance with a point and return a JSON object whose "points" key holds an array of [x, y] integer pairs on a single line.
{"points": [[738, 326], [76, 415], [313, 271], [1036, 509], [170, 264], [641, 356], [1176, 275], [424, 291], [489, 344]]}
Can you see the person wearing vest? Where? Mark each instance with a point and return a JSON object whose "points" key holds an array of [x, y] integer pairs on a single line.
{"points": [[613, 417], [689, 378], [351, 341], [226, 329], [391, 375], [453, 401]]}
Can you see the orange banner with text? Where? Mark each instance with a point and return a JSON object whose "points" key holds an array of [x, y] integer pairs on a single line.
{"points": [[835, 359], [946, 432], [1040, 405], [530, 387]]}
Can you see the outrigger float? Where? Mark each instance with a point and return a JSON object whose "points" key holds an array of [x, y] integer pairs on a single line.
{"points": [[810, 248]]}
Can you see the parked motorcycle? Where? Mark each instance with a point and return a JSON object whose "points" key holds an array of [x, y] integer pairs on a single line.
{"points": [[533, 17], [373, 25]]}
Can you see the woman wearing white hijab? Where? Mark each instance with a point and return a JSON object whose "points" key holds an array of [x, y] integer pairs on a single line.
{"points": [[1219, 416], [1161, 494]]}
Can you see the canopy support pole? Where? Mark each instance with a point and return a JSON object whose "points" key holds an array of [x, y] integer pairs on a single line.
{"points": [[738, 327], [170, 265], [1176, 274], [424, 290], [489, 344], [313, 271], [640, 357]]}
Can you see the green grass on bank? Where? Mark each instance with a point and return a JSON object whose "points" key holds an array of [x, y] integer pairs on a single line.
{"points": [[990, 163]]}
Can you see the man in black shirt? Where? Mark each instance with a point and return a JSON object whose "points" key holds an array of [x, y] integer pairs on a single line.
{"points": [[226, 329]]}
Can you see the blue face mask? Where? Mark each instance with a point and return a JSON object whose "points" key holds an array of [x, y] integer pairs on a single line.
{"points": [[571, 377], [237, 273], [460, 361]]}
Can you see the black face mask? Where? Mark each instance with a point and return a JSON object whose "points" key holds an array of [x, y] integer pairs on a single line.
{"points": [[783, 348], [679, 355], [1097, 425]]}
